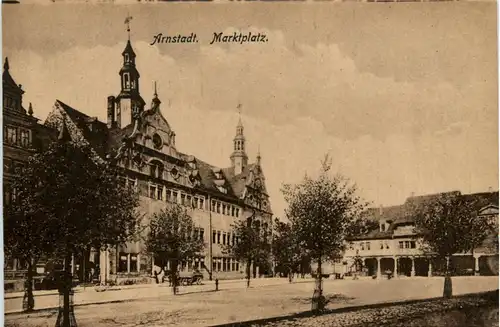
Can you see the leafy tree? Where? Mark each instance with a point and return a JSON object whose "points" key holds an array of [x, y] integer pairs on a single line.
{"points": [[252, 243], [172, 238], [448, 224], [67, 199], [322, 211], [286, 250]]}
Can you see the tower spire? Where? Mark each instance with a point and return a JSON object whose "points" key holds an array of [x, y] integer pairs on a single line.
{"points": [[6, 64], [156, 102], [239, 157], [127, 22], [258, 155]]}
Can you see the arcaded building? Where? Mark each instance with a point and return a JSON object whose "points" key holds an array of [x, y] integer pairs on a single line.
{"points": [[395, 247], [139, 139]]}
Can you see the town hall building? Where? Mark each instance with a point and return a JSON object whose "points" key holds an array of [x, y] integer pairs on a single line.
{"points": [[139, 139]]}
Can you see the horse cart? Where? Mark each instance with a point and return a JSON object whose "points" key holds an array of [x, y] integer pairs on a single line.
{"points": [[185, 279]]}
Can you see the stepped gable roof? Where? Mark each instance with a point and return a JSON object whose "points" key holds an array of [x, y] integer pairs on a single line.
{"points": [[104, 141]]}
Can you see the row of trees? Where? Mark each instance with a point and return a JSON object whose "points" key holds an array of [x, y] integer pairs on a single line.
{"points": [[67, 201]]}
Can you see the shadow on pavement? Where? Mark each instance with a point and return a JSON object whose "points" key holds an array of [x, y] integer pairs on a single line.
{"points": [[491, 296]]}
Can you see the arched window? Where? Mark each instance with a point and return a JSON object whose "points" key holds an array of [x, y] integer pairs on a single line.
{"points": [[127, 58], [126, 80]]}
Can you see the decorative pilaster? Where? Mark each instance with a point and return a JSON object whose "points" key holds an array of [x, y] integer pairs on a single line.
{"points": [[476, 264], [395, 267], [429, 272], [128, 263], [412, 267]]}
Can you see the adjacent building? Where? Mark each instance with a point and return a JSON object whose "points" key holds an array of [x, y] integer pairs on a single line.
{"points": [[23, 135], [395, 247]]}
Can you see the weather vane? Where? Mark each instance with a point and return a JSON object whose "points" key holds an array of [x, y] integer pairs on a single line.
{"points": [[127, 21], [239, 108]]}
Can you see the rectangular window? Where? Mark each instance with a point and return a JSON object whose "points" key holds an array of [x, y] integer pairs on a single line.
{"points": [[401, 245], [362, 246], [237, 212], [188, 200], [219, 264], [234, 239], [407, 244], [218, 207], [237, 266], [159, 193], [233, 265], [175, 197], [11, 135], [213, 206], [214, 235], [232, 211], [214, 265], [133, 263], [183, 199], [368, 246], [218, 237], [122, 264], [202, 234], [202, 204], [412, 245], [25, 138], [152, 191]]}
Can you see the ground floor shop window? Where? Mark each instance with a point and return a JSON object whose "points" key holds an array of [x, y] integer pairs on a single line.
{"points": [[133, 262], [122, 264]]}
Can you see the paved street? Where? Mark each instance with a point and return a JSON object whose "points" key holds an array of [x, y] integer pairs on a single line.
{"points": [[269, 298]]}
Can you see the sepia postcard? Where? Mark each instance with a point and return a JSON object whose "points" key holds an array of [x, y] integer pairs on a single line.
{"points": [[250, 163]]}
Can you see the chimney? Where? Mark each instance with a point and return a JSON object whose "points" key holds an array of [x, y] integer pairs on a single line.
{"points": [[111, 112]]}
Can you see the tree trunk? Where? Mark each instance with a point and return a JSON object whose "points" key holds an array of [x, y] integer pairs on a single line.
{"points": [[249, 262], [29, 299], [66, 289], [173, 276], [448, 289], [290, 275], [318, 300]]}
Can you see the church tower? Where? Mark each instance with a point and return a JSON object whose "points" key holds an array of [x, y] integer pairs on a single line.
{"points": [[239, 158], [128, 105]]}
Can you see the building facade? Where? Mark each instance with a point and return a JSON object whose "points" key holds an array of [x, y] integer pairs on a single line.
{"points": [[23, 135], [395, 248], [139, 139]]}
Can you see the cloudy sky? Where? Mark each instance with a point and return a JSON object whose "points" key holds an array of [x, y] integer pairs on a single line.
{"points": [[402, 96]]}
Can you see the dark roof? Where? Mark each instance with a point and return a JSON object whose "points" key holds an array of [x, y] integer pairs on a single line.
{"points": [[128, 49], [7, 80], [94, 131], [105, 141], [401, 214]]}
